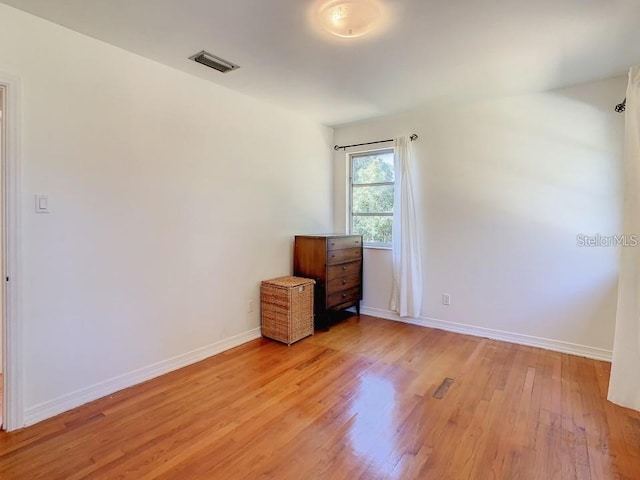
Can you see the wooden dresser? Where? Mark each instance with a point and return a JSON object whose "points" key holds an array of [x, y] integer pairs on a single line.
{"points": [[335, 263]]}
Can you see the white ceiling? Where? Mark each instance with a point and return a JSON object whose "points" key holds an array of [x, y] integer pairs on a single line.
{"points": [[430, 52]]}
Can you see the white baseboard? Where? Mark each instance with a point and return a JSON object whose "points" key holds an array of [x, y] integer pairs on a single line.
{"points": [[71, 400], [545, 343]]}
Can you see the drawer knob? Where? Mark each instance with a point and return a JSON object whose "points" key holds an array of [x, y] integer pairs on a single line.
{"points": [[344, 268], [344, 282], [344, 295]]}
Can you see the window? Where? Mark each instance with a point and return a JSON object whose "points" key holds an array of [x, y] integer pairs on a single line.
{"points": [[372, 182]]}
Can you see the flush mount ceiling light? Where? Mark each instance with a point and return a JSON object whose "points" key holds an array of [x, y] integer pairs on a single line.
{"points": [[350, 18]]}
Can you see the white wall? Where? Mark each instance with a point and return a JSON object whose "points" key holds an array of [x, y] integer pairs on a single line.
{"points": [[171, 198], [504, 188]]}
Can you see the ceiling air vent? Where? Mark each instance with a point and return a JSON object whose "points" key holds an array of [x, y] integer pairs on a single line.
{"points": [[214, 62]]}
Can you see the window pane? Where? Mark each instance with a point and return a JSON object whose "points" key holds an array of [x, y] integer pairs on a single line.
{"points": [[373, 168], [374, 199], [373, 229]]}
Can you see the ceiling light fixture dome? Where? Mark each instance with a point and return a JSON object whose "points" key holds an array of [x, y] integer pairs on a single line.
{"points": [[350, 18]]}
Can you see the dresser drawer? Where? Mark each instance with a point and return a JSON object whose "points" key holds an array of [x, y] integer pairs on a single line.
{"points": [[339, 243], [345, 296], [338, 256], [336, 271], [343, 283]]}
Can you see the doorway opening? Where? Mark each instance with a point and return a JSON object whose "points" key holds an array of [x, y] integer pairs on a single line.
{"points": [[11, 407], [2, 339]]}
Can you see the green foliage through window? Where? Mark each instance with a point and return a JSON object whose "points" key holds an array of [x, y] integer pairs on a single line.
{"points": [[372, 191]]}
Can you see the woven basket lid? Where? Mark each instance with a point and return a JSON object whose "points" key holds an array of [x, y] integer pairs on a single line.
{"points": [[289, 281]]}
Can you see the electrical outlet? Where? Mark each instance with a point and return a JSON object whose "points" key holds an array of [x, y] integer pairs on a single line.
{"points": [[250, 306], [446, 299]]}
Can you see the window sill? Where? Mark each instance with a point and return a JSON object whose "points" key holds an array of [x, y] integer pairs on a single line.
{"points": [[376, 247]]}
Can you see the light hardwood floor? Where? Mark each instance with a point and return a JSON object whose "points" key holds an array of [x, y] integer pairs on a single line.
{"points": [[354, 402]]}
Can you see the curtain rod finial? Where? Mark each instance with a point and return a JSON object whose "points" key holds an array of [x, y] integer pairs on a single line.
{"points": [[336, 147], [413, 137]]}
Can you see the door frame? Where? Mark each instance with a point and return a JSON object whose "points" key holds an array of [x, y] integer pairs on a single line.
{"points": [[13, 408]]}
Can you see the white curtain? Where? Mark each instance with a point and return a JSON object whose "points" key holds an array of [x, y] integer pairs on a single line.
{"points": [[624, 385], [406, 295]]}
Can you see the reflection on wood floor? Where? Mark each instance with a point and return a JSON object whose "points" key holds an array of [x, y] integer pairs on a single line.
{"points": [[354, 402]]}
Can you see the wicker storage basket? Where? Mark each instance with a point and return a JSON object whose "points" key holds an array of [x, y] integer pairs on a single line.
{"points": [[287, 308]]}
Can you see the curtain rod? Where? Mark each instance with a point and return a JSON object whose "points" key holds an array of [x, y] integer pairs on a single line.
{"points": [[620, 108], [344, 147]]}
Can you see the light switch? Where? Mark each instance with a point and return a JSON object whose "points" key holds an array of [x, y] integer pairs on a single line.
{"points": [[42, 204]]}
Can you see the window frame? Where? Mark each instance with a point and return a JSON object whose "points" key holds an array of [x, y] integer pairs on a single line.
{"points": [[363, 153]]}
